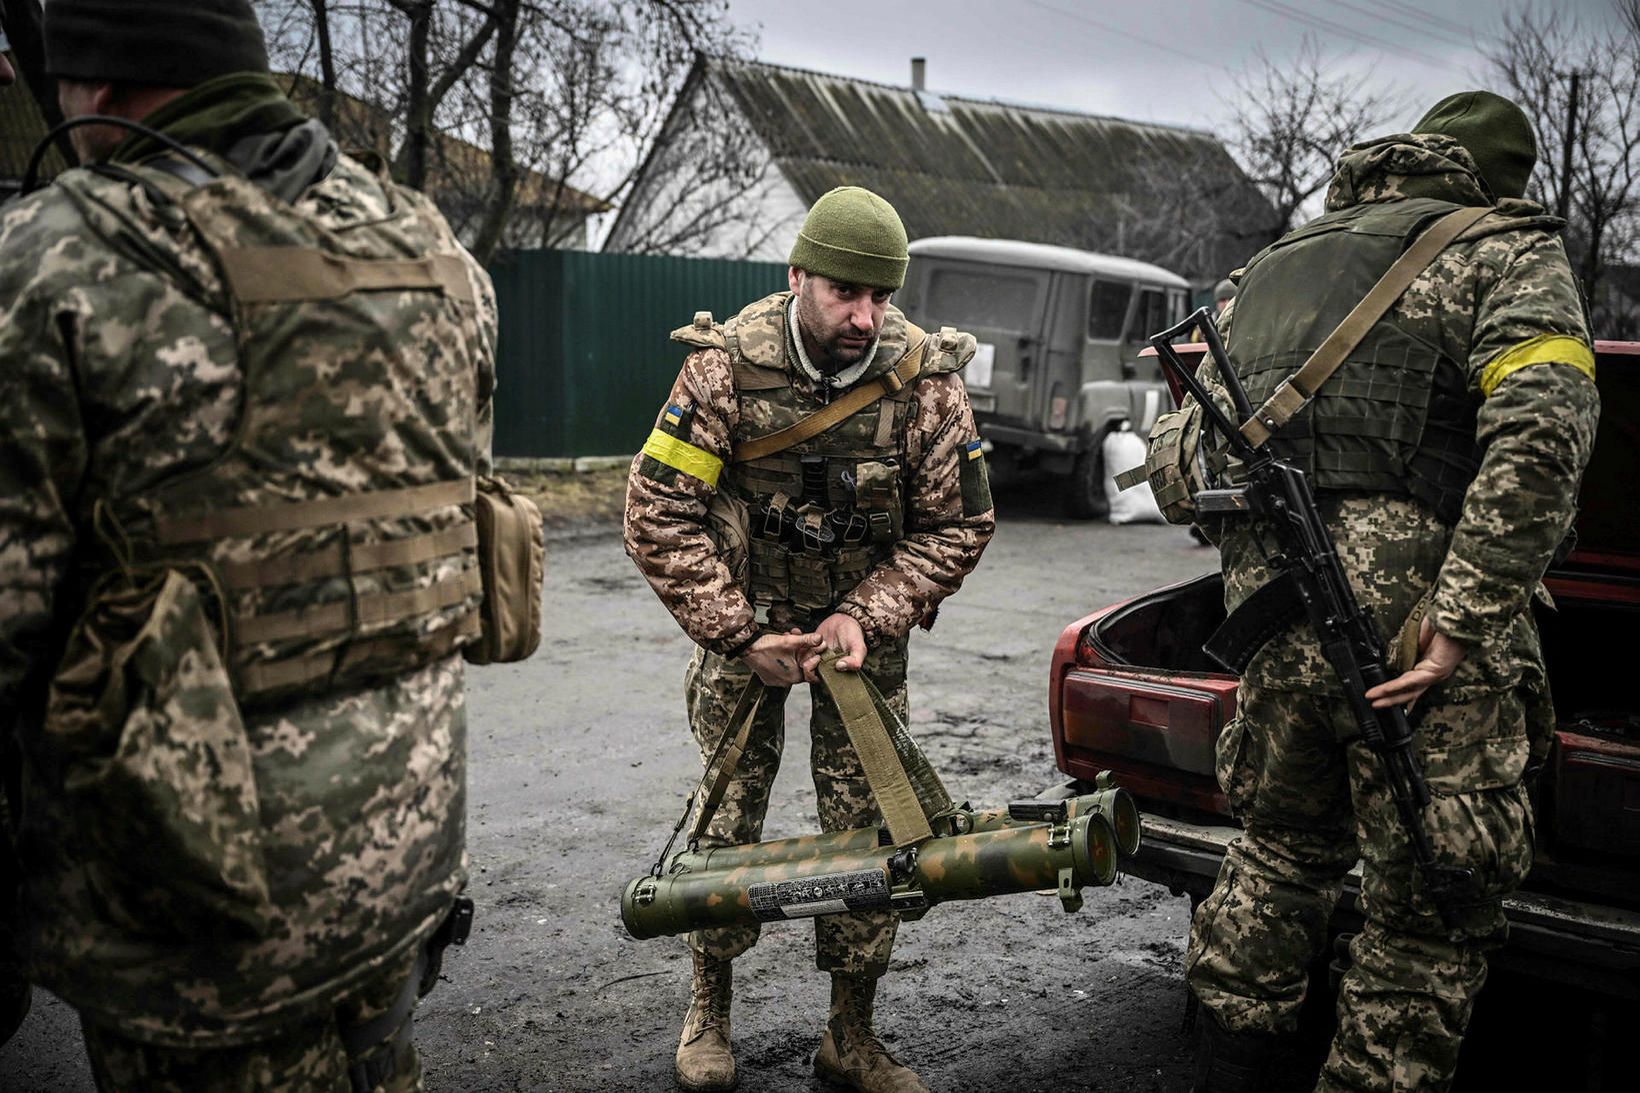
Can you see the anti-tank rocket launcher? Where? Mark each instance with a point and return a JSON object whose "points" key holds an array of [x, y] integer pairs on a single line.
{"points": [[930, 851]]}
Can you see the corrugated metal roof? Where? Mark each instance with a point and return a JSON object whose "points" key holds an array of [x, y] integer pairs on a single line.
{"points": [[988, 168]]}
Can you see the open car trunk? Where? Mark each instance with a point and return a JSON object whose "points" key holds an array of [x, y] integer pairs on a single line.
{"points": [[1147, 701]]}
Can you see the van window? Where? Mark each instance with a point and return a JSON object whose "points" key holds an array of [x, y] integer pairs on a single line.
{"points": [[993, 299], [1107, 311], [1153, 313]]}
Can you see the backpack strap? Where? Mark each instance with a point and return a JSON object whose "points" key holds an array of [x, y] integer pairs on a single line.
{"points": [[1301, 386]]}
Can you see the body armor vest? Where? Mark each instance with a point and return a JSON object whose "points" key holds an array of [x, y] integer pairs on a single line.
{"points": [[335, 533], [820, 514], [1397, 416]]}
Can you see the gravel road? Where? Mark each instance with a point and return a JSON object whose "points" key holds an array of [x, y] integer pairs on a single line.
{"points": [[580, 761]]}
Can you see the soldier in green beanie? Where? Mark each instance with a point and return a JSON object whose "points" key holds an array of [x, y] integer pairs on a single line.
{"points": [[241, 825], [769, 546], [1444, 453]]}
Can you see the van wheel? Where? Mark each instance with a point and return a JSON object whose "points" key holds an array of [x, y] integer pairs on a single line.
{"points": [[1085, 497]]}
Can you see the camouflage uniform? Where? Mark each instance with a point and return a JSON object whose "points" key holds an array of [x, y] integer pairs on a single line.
{"points": [[236, 835], [686, 554], [1311, 805]]}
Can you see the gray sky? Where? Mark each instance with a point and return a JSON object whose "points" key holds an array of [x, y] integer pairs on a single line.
{"points": [[1149, 60]]}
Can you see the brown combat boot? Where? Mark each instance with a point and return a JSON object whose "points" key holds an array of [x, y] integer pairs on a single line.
{"points": [[704, 1060], [850, 1053]]}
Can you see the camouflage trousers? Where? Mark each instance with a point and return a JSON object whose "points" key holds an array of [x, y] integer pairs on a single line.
{"points": [[854, 944], [1311, 807], [311, 1057]]}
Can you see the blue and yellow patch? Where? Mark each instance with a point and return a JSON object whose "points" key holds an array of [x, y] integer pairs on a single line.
{"points": [[976, 448], [674, 414]]}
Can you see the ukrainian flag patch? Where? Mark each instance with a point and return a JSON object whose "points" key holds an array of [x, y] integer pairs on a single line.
{"points": [[674, 414], [975, 448]]}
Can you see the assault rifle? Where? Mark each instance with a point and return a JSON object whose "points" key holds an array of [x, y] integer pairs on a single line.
{"points": [[1309, 581]]}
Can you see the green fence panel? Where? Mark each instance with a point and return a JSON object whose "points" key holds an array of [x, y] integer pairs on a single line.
{"points": [[583, 361]]}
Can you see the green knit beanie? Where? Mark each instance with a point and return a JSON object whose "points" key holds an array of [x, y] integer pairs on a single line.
{"points": [[161, 43], [1493, 130], [855, 236]]}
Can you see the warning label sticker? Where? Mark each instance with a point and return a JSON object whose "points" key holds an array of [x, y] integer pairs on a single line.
{"points": [[828, 894]]}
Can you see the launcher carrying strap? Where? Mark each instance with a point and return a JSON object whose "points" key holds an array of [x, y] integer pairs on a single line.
{"points": [[902, 812], [885, 771], [1301, 386]]}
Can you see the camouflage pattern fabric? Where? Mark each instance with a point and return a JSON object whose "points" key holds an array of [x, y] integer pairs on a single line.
{"points": [[120, 372], [307, 1058], [668, 534], [1408, 993], [666, 524], [857, 944], [1311, 805]]}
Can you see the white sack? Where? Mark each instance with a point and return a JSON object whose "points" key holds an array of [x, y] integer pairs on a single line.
{"points": [[1124, 448]]}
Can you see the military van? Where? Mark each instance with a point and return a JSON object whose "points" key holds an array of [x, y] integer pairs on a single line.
{"points": [[1059, 337]]}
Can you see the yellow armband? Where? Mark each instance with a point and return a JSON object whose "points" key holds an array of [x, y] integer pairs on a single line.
{"points": [[684, 456], [1543, 349]]}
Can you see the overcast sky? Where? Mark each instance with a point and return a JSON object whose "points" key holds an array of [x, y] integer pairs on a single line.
{"points": [[1149, 60]]}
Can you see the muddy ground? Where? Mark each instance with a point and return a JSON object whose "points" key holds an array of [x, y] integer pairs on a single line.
{"points": [[580, 760]]}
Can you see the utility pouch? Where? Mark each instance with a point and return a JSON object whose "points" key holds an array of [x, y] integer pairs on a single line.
{"points": [[1172, 466], [809, 581], [512, 558], [877, 495], [144, 737], [727, 522]]}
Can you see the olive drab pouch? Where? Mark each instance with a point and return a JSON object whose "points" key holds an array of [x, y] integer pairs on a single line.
{"points": [[511, 564], [144, 740], [1171, 465], [726, 523], [877, 496]]}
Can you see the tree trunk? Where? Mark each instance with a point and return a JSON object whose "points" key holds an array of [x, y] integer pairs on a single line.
{"points": [[503, 170], [411, 165], [327, 64]]}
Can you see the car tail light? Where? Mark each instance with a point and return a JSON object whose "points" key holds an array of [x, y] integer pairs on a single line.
{"points": [[1158, 736], [1597, 793]]}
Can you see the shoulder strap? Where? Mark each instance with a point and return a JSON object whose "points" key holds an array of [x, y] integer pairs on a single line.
{"points": [[1302, 385], [832, 414]]}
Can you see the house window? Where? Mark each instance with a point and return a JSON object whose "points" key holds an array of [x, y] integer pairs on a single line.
{"points": [[1107, 311]]}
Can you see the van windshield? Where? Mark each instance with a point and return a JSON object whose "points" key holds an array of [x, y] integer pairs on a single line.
{"points": [[1108, 309], [993, 299]]}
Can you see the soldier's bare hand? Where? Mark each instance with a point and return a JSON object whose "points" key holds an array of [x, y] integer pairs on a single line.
{"points": [[778, 658], [1438, 657], [842, 633]]}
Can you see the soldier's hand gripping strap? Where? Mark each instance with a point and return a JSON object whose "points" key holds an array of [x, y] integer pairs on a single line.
{"points": [[1301, 386], [902, 812], [835, 413], [511, 564]]}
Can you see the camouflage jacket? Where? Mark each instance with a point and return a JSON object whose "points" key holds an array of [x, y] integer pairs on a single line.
{"points": [[666, 522], [117, 376], [1503, 290]]}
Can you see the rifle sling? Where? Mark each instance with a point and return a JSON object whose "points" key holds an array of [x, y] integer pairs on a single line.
{"points": [[834, 413], [1301, 386]]}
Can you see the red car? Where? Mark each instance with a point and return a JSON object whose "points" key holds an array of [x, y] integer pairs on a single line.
{"points": [[1131, 691]]}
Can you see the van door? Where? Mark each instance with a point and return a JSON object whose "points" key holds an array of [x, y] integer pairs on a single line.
{"points": [[1002, 306]]}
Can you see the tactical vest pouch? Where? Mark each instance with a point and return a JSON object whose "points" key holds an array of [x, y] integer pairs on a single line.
{"points": [[511, 565], [877, 495], [726, 523], [145, 741], [1172, 466]]}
